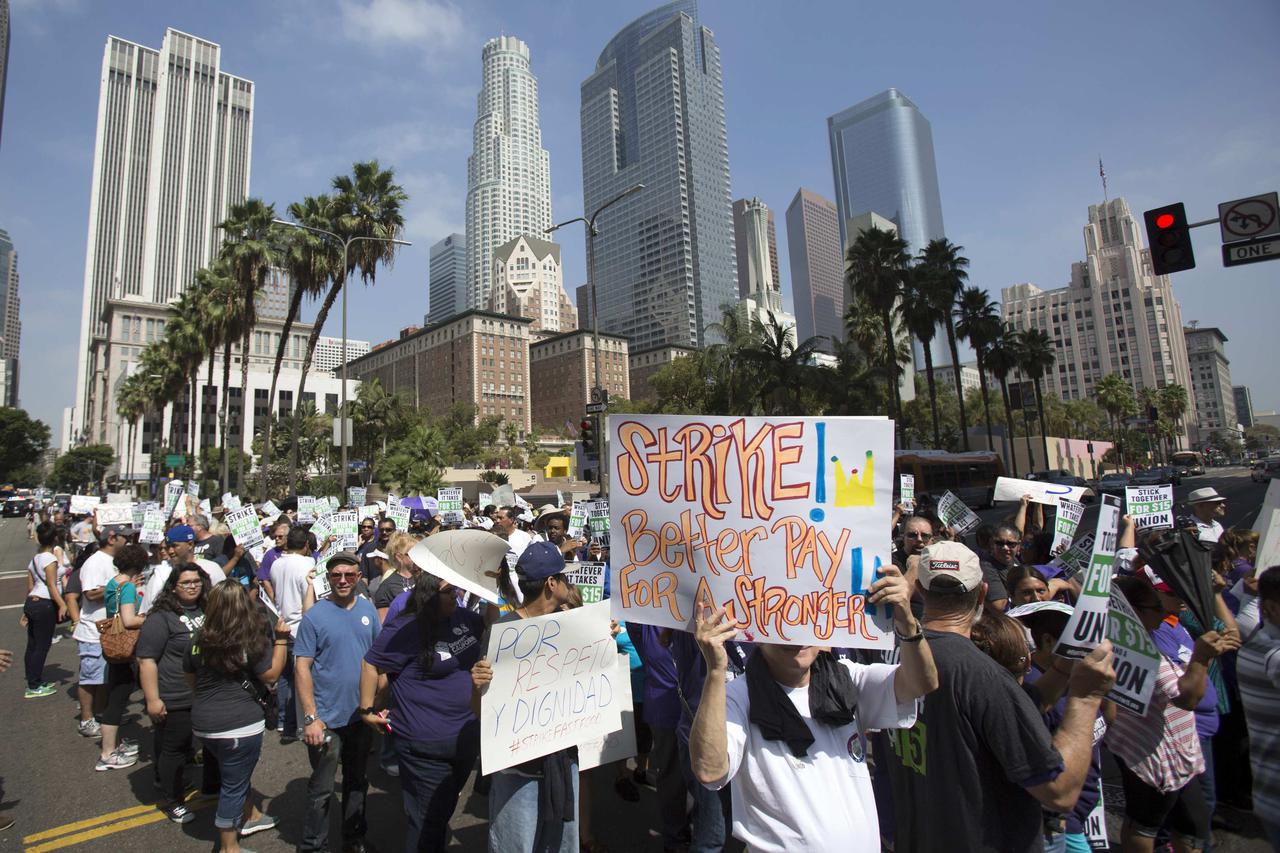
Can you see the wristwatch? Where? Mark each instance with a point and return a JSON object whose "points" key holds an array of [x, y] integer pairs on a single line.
{"points": [[308, 719], [914, 638]]}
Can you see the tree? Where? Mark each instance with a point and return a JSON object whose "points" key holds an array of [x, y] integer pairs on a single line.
{"points": [[941, 262], [920, 312], [977, 320], [855, 385], [1173, 404], [23, 440], [1261, 437], [1115, 396], [1002, 359], [1036, 356], [783, 366], [875, 266], [415, 464], [82, 466], [681, 386], [377, 417]]}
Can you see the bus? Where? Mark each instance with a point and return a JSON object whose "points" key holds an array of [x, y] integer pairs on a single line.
{"points": [[969, 476], [1187, 462]]}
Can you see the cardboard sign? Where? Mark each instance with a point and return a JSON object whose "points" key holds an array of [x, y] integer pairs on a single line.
{"points": [[577, 520], [589, 578], [449, 504], [907, 491], [469, 559], [270, 510], [84, 504], [356, 495], [1267, 526], [1012, 489], [555, 685], [114, 514], [1087, 626], [174, 491], [153, 527], [1136, 659], [956, 513], [619, 745], [399, 515], [344, 527], [245, 530], [1149, 506], [783, 520], [1065, 523]]}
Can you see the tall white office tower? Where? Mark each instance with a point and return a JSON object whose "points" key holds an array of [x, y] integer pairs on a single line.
{"points": [[171, 155], [508, 172]]}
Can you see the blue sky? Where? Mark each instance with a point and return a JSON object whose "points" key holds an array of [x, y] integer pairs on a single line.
{"points": [[1178, 98]]}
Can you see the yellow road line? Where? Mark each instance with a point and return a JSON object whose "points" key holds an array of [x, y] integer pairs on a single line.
{"points": [[88, 822], [111, 823]]}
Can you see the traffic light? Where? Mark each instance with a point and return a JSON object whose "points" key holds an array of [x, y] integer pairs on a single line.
{"points": [[1170, 239], [590, 439]]}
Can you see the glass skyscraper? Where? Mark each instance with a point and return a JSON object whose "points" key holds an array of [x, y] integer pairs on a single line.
{"points": [[653, 113]]}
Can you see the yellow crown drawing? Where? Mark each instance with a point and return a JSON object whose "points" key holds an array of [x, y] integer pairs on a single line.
{"points": [[856, 490]]}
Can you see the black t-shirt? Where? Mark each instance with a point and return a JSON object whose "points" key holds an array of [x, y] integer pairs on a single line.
{"points": [[165, 638], [977, 744], [221, 702], [209, 549], [994, 574], [394, 584]]}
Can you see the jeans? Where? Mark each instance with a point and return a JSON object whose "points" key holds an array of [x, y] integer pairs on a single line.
{"points": [[672, 791], [1207, 784], [286, 707], [172, 744], [236, 759], [42, 618], [347, 746], [515, 824], [708, 809], [1055, 842], [432, 775]]}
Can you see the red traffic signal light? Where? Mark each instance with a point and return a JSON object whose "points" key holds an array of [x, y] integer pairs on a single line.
{"points": [[590, 438], [1169, 237], [1165, 220]]}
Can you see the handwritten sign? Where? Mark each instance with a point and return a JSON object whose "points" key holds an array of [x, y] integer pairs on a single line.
{"points": [[245, 529], [954, 512], [399, 515], [907, 491], [1087, 626], [469, 559], [153, 527], [1012, 489], [449, 503], [784, 521], [84, 504], [357, 495], [589, 578], [555, 685], [1137, 661], [1065, 523], [114, 514], [1149, 506]]}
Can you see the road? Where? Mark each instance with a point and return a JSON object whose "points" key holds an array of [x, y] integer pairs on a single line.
{"points": [[59, 802]]}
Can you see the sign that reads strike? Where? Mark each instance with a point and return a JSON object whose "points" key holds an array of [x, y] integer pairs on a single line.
{"points": [[784, 521]]}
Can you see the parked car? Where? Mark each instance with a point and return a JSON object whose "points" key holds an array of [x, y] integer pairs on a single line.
{"points": [[1267, 469], [1158, 476], [17, 507], [1114, 483]]}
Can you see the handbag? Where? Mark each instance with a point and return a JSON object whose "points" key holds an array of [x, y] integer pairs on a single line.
{"points": [[117, 640]]}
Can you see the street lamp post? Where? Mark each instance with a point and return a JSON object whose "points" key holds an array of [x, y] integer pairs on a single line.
{"points": [[342, 407], [592, 231]]}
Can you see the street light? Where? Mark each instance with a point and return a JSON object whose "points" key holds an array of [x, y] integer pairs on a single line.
{"points": [[592, 231], [346, 244]]}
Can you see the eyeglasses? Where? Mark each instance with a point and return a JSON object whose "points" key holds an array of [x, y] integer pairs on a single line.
{"points": [[366, 526], [188, 583], [1002, 543], [914, 535]]}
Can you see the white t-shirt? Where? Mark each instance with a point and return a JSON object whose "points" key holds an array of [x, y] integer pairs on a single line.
{"points": [[290, 575], [37, 567], [824, 801], [1210, 531], [160, 575], [516, 543], [96, 572]]}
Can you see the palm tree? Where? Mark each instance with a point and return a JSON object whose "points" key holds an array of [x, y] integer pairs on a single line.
{"points": [[249, 251], [1173, 402], [943, 264], [184, 339], [1115, 396], [921, 315], [131, 405], [226, 320], [374, 411], [875, 267], [1037, 357], [1002, 359], [732, 378], [1148, 401], [855, 385], [784, 366], [977, 320]]}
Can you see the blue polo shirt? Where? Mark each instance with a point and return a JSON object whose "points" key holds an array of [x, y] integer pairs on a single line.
{"points": [[336, 640]]}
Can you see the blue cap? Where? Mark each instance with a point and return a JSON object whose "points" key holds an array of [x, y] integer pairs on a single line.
{"points": [[181, 533], [539, 561]]}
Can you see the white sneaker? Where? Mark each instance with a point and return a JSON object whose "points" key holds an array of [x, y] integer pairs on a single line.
{"points": [[127, 747], [116, 761], [90, 728]]}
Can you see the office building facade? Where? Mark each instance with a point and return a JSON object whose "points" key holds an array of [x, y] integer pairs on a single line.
{"points": [[10, 321], [1210, 380], [562, 374], [446, 290], [1244, 405], [755, 237], [653, 114], [328, 354], [528, 282], [818, 291], [4, 58], [508, 172]]}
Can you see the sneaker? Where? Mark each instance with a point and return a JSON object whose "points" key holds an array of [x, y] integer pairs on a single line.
{"points": [[42, 690], [90, 728], [6, 821], [179, 813], [57, 638], [261, 824], [127, 747], [116, 761]]}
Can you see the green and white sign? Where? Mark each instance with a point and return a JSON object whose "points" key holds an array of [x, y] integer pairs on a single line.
{"points": [[1150, 506]]}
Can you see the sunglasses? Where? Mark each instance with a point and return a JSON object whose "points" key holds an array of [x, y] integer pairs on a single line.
{"points": [[341, 576], [913, 535], [1002, 543]]}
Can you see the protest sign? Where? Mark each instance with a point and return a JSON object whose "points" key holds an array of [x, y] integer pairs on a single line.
{"points": [[1087, 626], [486, 499], [153, 527], [119, 498], [356, 495], [785, 521], [245, 529], [333, 503], [1095, 825], [469, 559], [392, 500], [230, 502], [1267, 526], [1065, 523], [1149, 506], [554, 686], [114, 514], [344, 527], [320, 582], [907, 491], [306, 509], [1076, 558], [1136, 659], [139, 513], [1012, 489], [598, 522], [205, 507], [84, 504], [367, 511], [449, 505], [193, 489], [399, 515], [619, 745], [577, 520], [173, 494], [560, 504], [956, 513], [270, 510], [589, 578], [322, 528]]}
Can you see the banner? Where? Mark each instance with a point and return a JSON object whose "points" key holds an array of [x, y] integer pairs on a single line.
{"points": [[1267, 526], [114, 514], [1087, 626], [956, 513], [153, 527], [400, 515], [907, 492], [555, 685], [589, 578], [1149, 506], [783, 520], [619, 745], [468, 559], [245, 530], [84, 504], [1065, 522], [1012, 489], [344, 527], [173, 494], [449, 505], [1137, 661], [1076, 558], [356, 495]]}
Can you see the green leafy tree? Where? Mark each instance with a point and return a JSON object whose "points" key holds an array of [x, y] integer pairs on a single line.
{"points": [[1115, 396], [1173, 405], [82, 467], [977, 320], [782, 365], [23, 439], [415, 464], [946, 269], [1261, 437], [875, 267]]}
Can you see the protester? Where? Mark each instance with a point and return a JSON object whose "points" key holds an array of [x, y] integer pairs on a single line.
{"points": [[121, 598], [553, 523], [1258, 667], [232, 658], [506, 523], [404, 576], [44, 609], [1207, 506], [290, 579], [917, 533], [386, 528], [280, 536], [180, 547], [794, 727], [662, 714], [1026, 584], [1004, 641], [1006, 543], [207, 544], [333, 637], [95, 574], [175, 615]]}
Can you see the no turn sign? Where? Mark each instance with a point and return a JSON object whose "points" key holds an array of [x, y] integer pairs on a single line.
{"points": [[1249, 218]]}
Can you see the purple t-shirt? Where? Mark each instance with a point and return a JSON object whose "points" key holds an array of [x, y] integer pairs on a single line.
{"points": [[1092, 790], [430, 704], [661, 702], [264, 568], [1176, 643]]}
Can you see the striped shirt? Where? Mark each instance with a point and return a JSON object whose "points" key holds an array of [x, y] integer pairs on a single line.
{"points": [[1160, 747], [1258, 671]]}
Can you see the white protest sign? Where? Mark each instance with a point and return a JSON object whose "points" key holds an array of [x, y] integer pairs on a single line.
{"points": [[1267, 526], [140, 512], [153, 527], [230, 501], [1012, 489], [173, 493], [1087, 626], [449, 504], [245, 530], [320, 583], [1076, 558], [84, 504], [322, 528], [1095, 825], [469, 559], [1065, 523], [783, 520], [344, 527], [367, 511], [399, 515], [577, 520], [306, 509], [119, 498], [193, 489], [1136, 659], [1149, 506], [554, 686], [486, 499], [907, 491], [598, 522], [114, 514], [392, 500], [954, 512], [356, 495], [589, 578], [619, 745], [205, 507], [333, 503], [270, 510]]}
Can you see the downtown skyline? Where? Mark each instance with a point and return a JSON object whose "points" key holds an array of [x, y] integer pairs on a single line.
{"points": [[1018, 217]]}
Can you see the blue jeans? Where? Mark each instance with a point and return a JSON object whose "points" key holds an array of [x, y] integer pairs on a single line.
{"points": [[236, 759], [432, 775], [348, 747], [708, 821], [515, 826], [286, 709]]}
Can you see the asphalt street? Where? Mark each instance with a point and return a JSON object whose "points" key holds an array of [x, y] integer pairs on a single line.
{"points": [[60, 802]]}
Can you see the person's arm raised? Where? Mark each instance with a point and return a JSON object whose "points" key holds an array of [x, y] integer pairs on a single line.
{"points": [[708, 740], [917, 674]]}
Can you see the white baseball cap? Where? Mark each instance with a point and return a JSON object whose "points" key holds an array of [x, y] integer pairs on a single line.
{"points": [[953, 560]]}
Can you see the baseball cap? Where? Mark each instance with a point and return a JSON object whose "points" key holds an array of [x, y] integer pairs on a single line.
{"points": [[105, 533], [343, 558], [181, 533], [1157, 582], [539, 561], [1206, 495], [953, 560]]}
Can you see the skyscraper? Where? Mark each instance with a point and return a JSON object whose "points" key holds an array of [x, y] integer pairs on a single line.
{"points": [[448, 272], [4, 57], [653, 114], [818, 293], [171, 155], [744, 212], [508, 172], [10, 324], [1210, 381], [1244, 404]]}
